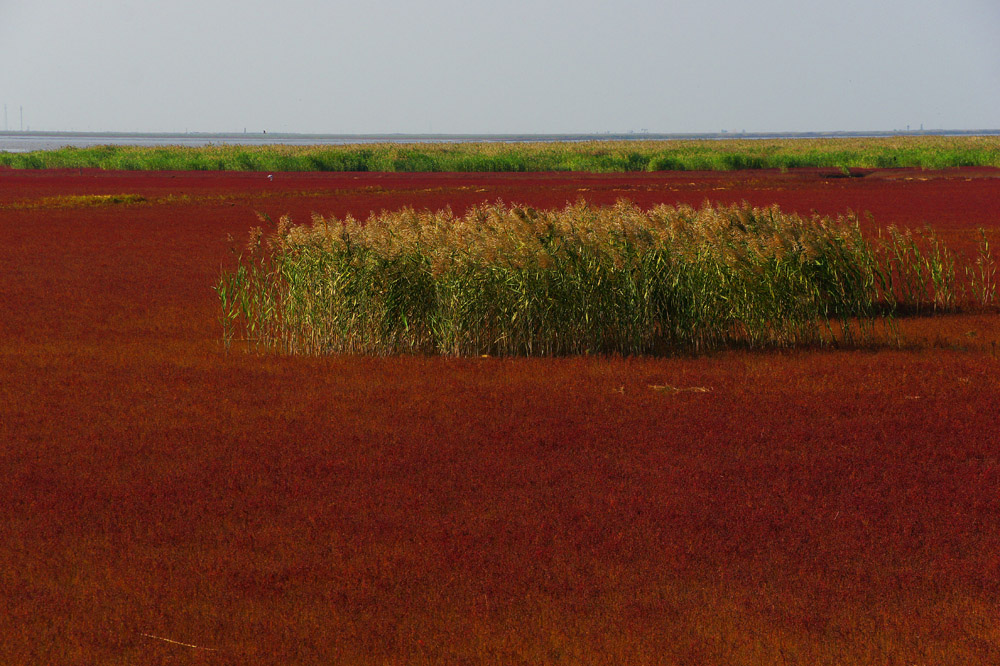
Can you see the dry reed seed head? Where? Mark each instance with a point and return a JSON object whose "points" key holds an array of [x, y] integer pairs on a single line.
{"points": [[773, 247], [278, 240], [320, 225], [299, 236], [254, 240], [284, 223], [810, 249]]}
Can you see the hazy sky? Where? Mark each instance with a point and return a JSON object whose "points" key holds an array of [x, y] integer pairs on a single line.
{"points": [[503, 66]]}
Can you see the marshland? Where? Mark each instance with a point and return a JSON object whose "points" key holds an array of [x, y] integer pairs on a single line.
{"points": [[726, 417]]}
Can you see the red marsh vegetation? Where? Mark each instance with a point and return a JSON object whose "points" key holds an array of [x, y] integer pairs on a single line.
{"points": [[167, 502]]}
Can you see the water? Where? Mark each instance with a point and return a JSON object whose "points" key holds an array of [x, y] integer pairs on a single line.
{"points": [[18, 142]]}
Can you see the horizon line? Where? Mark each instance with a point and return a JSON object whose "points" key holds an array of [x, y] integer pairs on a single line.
{"points": [[643, 134]]}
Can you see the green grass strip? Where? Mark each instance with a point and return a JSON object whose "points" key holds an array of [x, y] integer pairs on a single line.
{"points": [[930, 152]]}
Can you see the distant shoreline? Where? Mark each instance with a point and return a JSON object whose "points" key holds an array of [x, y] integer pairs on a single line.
{"points": [[16, 141]]}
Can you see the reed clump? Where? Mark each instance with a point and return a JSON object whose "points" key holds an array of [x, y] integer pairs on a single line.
{"points": [[515, 280]]}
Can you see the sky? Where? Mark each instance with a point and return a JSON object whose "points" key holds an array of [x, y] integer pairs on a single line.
{"points": [[506, 66]]}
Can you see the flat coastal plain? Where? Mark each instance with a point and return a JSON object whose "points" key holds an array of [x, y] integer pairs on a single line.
{"points": [[166, 501]]}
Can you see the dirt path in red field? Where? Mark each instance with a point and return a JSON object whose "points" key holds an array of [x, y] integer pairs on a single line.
{"points": [[801, 507]]}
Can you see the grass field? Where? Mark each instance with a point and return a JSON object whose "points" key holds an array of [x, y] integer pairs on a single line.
{"points": [[927, 152], [168, 501]]}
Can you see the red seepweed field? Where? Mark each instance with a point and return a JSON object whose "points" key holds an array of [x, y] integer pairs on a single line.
{"points": [[168, 502]]}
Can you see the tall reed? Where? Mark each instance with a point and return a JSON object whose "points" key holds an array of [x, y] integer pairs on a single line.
{"points": [[514, 280]]}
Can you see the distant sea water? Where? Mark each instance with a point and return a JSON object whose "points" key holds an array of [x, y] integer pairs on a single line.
{"points": [[18, 142]]}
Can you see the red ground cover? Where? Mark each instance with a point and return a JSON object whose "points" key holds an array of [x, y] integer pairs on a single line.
{"points": [[811, 507]]}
